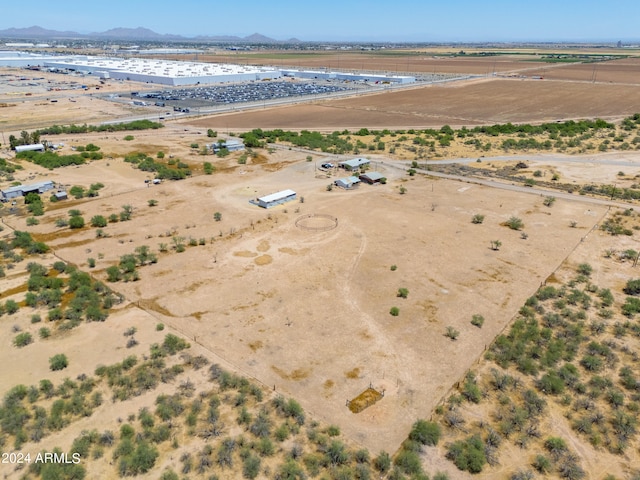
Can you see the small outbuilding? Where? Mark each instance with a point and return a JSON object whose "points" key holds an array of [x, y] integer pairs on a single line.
{"points": [[62, 195], [371, 177], [277, 198], [347, 182], [354, 163], [232, 144]]}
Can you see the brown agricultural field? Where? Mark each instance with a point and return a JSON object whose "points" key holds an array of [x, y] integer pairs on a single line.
{"points": [[457, 104]]}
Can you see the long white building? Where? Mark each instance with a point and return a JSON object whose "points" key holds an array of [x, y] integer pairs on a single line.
{"points": [[164, 72]]}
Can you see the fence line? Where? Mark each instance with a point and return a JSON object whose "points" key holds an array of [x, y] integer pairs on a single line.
{"points": [[476, 362]]}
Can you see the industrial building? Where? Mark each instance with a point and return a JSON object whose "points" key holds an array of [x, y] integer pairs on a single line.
{"points": [[275, 199], [22, 190], [349, 76], [10, 58], [164, 72]]}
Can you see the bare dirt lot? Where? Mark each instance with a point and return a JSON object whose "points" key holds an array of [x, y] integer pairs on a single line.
{"points": [[303, 311]]}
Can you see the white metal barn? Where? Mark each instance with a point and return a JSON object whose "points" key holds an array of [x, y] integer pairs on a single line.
{"points": [[277, 198], [36, 147]]}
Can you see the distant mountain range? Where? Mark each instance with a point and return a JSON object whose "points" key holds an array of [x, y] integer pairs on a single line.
{"points": [[130, 34]]}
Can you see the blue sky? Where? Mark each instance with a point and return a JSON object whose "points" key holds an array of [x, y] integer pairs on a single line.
{"points": [[345, 20]]}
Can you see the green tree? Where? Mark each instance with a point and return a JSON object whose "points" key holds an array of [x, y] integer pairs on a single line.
{"points": [[76, 222], [125, 214], [98, 221], [77, 191]]}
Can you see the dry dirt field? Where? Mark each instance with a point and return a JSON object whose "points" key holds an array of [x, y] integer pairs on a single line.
{"points": [[457, 104], [400, 62], [304, 312], [623, 71]]}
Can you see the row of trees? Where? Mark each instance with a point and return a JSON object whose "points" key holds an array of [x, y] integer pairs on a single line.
{"points": [[172, 170], [114, 127]]}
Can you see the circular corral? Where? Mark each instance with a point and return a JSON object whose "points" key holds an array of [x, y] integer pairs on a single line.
{"points": [[317, 222]]}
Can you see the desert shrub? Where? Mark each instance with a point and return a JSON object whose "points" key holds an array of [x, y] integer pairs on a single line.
{"points": [[477, 219], [477, 320], [336, 453], [451, 333], [403, 293], [631, 306], [467, 454], [394, 311], [251, 467], [555, 446], [409, 462], [632, 287], [551, 383], [58, 362], [426, 433], [382, 462], [542, 464], [23, 339], [514, 223]]}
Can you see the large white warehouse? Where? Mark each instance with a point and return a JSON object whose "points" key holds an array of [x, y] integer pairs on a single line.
{"points": [[164, 72]]}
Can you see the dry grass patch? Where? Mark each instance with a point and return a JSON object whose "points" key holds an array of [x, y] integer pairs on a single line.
{"points": [[365, 400]]}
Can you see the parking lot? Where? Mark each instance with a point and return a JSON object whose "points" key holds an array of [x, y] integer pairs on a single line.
{"points": [[242, 92]]}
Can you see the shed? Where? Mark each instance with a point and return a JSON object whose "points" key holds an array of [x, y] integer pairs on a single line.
{"points": [[61, 195], [347, 182], [233, 145], [371, 177], [36, 147], [354, 163], [277, 198]]}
